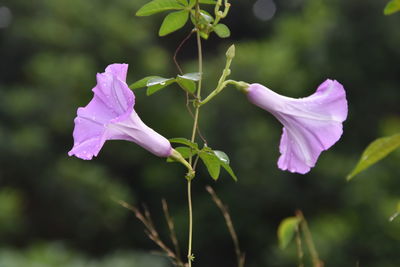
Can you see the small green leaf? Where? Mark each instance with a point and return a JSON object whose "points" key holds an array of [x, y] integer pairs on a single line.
{"points": [[286, 231], [157, 6], [142, 82], [222, 30], [212, 163], [156, 84], [173, 22], [222, 156], [376, 151], [187, 85], [224, 161], [392, 7], [185, 151], [194, 76], [184, 141]]}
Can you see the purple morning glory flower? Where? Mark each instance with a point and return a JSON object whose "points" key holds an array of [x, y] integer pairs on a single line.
{"points": [[311, 124], [110, 116]]}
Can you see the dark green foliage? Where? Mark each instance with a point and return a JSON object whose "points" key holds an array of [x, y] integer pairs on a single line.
{"points": [[49, 56]]}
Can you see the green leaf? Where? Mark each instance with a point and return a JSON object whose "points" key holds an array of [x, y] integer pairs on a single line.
{"points": [[208, 2], [194, 76], [156, 84], [224, 161], [158, 80], [142, 82], [173, 22], [183, 2], [187, 85], [157, 6], [286, 231], [396, 214], [222, 156], [376, 151], [185, 151], [212, 163], [392, 7], [222, 30], [184, 141], [230, 171]]}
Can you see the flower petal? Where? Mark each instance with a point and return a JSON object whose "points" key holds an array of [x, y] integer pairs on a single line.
{"points": [[89, 129], [135, 130], [114, 91], [110, 116], [118, 70], [311, 125]]}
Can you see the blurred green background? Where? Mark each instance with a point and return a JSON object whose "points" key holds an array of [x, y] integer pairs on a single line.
{"points": [[57, 211]]}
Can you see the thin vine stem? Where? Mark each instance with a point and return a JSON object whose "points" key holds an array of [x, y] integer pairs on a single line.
{"points": [[194, 131]]}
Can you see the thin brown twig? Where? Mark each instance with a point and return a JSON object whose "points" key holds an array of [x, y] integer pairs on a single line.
{"points": [[178, 49], [300, 253], [309, 240], [181, 72], [240, 257], [171, 228], [151, 232]]}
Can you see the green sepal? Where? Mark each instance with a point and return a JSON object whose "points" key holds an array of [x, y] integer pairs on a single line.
{"points": [[173, 22], [185, 151], [157, 6], [286, 231]]}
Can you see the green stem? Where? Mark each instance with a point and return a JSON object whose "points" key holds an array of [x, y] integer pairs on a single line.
{"points": [[189, 194], [194, 130], [242, 86]]}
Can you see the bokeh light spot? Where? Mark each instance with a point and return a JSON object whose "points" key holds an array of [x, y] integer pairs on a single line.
{"points": [[5, 17], [264, 9]]}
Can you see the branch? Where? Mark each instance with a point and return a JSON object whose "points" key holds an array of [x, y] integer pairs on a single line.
{"points": [[240, 256]]}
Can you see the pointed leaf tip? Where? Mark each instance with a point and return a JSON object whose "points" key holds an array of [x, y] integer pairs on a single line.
{"points": [[392, 7], [376, 151]]}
